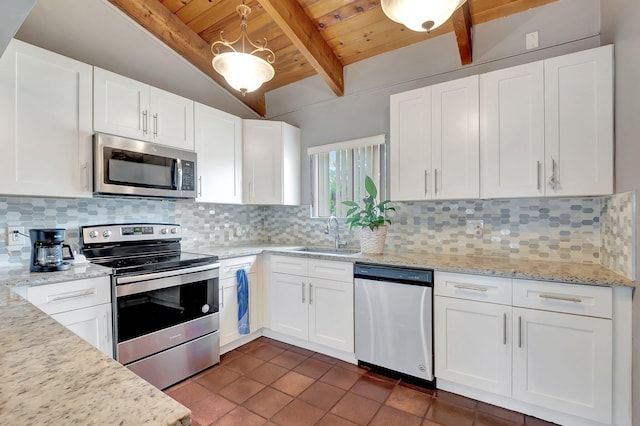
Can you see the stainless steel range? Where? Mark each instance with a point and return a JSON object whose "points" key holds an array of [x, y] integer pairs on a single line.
{"points": [[165, 300]]}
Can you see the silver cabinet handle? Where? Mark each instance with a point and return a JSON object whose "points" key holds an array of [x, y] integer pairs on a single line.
{"points": [[74, 295], [145, 116], [310, 293], [504, 329], [426, 179], [563, 298], [222, 297], [200, 183], [471, 287], [85, 172], [155, 125], [553, 179], [538, 174], [435, 183], [519, 332], [303, 299], [106, 330]]}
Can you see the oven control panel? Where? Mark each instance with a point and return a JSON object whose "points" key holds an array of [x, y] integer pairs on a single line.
{"points": [[130, 232]]}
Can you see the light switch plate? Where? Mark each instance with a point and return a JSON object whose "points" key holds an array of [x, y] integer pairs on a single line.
{"points": [[475, 228], [531, 40]]}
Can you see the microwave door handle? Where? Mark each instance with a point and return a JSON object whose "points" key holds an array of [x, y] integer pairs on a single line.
{"points": [[177, 174]]}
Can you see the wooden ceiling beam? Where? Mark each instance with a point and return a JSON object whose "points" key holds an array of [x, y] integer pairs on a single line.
{"points": [[294, 22], [461, 20], [167, 27]]}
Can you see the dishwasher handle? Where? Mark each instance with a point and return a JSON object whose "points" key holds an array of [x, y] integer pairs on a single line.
{"points": [[402, 275]]}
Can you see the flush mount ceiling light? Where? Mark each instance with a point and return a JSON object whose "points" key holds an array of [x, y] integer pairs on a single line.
{"points": [[420, 15], [243, 71]]}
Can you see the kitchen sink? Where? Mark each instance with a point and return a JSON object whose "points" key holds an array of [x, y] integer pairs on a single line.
{"points": [[328, 250]]}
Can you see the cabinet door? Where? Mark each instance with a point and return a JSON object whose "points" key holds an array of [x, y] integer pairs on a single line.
{"points": [[410, 145], [455, 140], [579, 123], [512, 131], [256, 298], [120, 105], [331, 314], [563, 362], [289, 307], [93, 324], [171, 119], [262, 162], [485, 327], [218, 143], [45, 123], [228, 311]]}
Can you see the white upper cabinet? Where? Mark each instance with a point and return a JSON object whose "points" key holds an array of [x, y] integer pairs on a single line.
{"points": [[547, 127], [218, 143], [410, 145], [434, 144], [512, 131], [45, 123], [129, 108], [579, 123], [271, 162], [455, 143]]}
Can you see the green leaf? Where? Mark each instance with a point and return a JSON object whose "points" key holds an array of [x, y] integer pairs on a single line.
{"points": [[350, 203], [370, 186]]}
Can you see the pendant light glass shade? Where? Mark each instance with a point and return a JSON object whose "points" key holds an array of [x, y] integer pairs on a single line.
{"points": [[420, 15], [243, 71]]}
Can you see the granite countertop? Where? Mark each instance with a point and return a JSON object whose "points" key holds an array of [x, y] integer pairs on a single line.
{"points": [[578, 273], [48, 375]]}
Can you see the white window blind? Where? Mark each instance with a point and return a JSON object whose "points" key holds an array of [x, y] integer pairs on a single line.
{"points": [[338, 172]]}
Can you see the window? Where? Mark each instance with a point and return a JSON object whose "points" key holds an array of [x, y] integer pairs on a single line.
{"points": [[338, 171]]}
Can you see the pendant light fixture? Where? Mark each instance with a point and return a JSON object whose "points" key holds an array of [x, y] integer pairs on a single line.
{"points": [[245, 72], [420, 15]]}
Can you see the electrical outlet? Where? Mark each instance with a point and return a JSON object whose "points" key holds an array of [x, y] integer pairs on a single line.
{"points": [[15, 235], [475, 228]]}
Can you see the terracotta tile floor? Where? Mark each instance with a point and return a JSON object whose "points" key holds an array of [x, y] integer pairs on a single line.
{"points": [[267, 382]]}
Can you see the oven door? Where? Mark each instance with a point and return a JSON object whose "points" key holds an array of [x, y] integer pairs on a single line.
{"points": [[158, 311]]}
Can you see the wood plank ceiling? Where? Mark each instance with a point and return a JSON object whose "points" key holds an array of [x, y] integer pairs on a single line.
{"points": [[308, 36]]}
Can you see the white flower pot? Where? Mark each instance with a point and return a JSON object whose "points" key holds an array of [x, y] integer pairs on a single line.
{"points": [[372, 242]]}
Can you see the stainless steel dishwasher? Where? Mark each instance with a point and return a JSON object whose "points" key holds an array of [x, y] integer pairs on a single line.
{"points": [[394, 319]]}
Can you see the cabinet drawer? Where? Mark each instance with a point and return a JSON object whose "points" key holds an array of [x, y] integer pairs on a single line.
{"points": [[229, 267], [331, 270], [289, 265], [473, 287], [595, 301], [66, 296]]}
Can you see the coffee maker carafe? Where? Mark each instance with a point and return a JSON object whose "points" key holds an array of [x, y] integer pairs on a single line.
{"points": [[47, 250]]}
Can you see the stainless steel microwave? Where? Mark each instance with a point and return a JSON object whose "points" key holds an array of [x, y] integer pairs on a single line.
{"points": [[124, 166]]}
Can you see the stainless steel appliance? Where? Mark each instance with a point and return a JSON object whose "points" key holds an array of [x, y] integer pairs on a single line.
{"points": [[47, 250], [394, 320], [166, 315], [131, 167]]}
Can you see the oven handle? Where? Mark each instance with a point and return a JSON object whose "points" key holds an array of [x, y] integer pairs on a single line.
{"points": [[164, 274], [160, 283]]}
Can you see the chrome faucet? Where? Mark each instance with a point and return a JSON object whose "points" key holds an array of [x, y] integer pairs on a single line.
{"points": [[339, 243]]}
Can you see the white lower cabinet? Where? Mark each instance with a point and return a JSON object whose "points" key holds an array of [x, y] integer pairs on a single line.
{"points": [[312, 300], [229, 297], [83, 306], [541, 345]]}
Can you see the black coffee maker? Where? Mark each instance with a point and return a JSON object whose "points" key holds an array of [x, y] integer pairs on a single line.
{"points": [[47, 250]]}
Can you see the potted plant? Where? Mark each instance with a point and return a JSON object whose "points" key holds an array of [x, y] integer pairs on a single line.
{"points": [[371, 217]]}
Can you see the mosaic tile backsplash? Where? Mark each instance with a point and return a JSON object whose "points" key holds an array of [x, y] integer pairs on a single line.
{"points": [[580, 230]]}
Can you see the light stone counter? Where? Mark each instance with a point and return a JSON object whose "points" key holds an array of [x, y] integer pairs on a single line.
{"points": [[565, 272], [48, 375]]}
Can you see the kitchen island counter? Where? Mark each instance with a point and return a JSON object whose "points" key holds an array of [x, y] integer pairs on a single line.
{"points": [[49, 375]]}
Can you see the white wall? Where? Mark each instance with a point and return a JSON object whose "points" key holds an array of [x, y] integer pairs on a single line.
{"points": [[620, 20], [565, 26], [12, 16]]}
